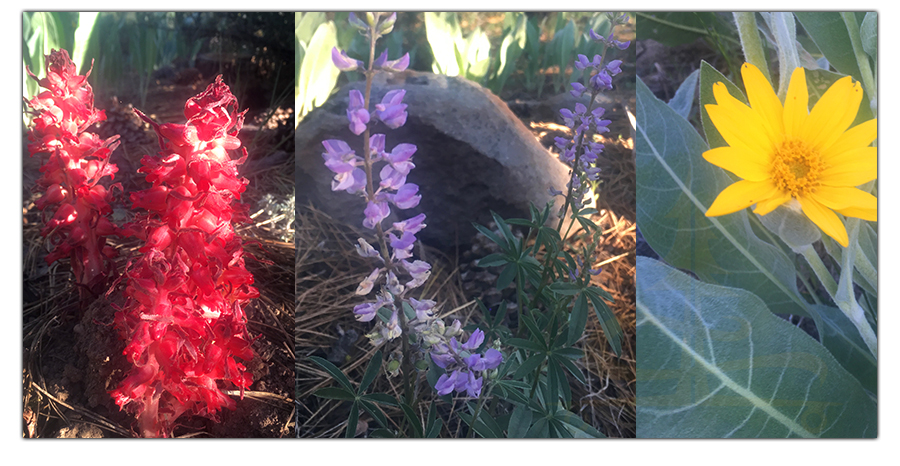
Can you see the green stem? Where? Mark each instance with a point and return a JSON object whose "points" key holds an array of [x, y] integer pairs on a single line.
{"points": [[481, 401], [850, 308], [862, 59], [753, 49]]}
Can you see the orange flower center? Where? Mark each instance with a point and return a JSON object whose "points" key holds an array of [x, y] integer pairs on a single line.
{"points": [[796, 167]]}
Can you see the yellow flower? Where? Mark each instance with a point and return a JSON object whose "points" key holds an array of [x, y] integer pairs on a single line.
{"points": [[786, 152]]}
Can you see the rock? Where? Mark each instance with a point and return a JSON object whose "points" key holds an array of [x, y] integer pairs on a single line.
{"points": [[473, 156]]}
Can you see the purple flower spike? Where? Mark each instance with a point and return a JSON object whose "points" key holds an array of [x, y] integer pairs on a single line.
{"points": [[577, 90], [442, 360], [391, 110], [596, 37], [342, 61], [376, 212], [582, 62], [391, 178], [376, 147], [357, 115], [405, 241], [406, 197], [492, 359]]}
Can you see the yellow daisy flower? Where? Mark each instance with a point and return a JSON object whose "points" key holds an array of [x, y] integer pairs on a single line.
{"points": [[788, 154]]}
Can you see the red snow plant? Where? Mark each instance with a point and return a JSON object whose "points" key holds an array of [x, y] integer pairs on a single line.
{"points": [[74, 204], [183, 317]]}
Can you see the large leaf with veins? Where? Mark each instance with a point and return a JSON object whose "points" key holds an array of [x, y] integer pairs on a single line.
{"points": [[713, 362]]}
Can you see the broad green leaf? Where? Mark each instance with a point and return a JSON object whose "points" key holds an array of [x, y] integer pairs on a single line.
{"points": [[510, 50], [868, 34], [318, 75], [675, 186], [86, 22], [519, 422], [306, 24], [684, 96], [443, 32], [677, 28], [477, 55], [828, 31], [713, 362]]}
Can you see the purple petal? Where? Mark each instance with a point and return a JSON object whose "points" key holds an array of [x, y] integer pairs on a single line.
{"points": [[342, 61], [474, 340]]}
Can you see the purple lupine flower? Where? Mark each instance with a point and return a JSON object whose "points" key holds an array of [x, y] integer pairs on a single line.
{"points": [[406, 196], [473, 385], [399, 64], [424, 308], [622, 45], [376, 211], [577, 90], [365, 286], [356, 113], [399, 157], [474, 341], [405, 241], [343, 62], [446, 383], [613, 67], [418, 270], [365, 249], [391, 110], [412, 225], [376, 147], [391, 178], [367, 311]]}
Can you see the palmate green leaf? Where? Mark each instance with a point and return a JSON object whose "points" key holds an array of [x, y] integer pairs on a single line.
{"points": [[713, 362], [675, 186], [371, 371], [607, 319]]}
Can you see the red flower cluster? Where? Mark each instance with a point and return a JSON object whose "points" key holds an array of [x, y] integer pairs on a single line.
{"points": [[74, 201], [183, 316]]}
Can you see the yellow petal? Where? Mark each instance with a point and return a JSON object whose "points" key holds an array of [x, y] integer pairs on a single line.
{"points": [[796, 104], [763, 100], [858, 136], [852, 168], [850, 202], [738, 124], [825, 219], [832, 114], [741, 195], [859, 212], [764, 207], [742, 162]]}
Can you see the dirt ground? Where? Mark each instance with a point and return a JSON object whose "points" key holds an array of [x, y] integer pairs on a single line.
{"points": [[72, 354]]}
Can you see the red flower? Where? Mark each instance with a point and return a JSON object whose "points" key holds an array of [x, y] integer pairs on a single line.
{"points": [[74, 205], [183, 316]]}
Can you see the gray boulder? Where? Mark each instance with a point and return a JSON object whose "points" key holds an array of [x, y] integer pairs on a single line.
{"points": [[473, 156]]}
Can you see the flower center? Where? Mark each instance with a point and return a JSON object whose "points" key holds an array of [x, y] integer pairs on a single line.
{"points": [[796, 167]]}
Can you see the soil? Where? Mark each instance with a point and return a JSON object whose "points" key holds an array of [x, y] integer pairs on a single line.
{"points": [[72, 354]]}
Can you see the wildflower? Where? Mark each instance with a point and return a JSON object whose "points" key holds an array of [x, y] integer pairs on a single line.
{"points": [[786, 154], [75, 205]]}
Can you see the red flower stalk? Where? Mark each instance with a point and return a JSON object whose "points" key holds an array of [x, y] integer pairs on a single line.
{"points": [[75, 206], [183, 316]]}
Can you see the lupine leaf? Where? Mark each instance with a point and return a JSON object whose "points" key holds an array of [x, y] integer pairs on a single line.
{"points": [[371, 371], [352, 421], [519, 422], [335, 373], [713, 362], [335, 393]]}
